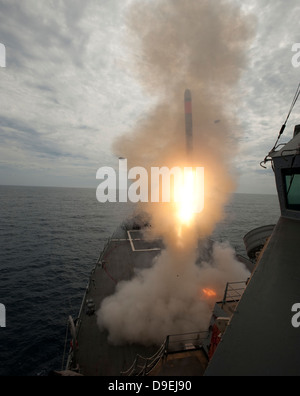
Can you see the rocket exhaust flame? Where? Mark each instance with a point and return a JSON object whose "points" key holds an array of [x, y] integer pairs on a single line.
{"points": [[189, 195], [186, 199]]}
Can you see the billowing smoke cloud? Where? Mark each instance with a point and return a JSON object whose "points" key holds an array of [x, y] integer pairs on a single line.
{"points": [[200, 45], [168, 298]]}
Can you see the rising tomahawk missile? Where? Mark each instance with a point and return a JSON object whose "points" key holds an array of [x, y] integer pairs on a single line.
{"points": [[188, 121]]}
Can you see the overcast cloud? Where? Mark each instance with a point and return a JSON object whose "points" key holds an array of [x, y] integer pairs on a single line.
{"points": [[68, 89]]}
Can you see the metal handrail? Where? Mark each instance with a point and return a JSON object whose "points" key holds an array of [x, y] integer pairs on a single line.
{"points": [[146, 365], [181, 340], [233, 294], [87, 289], [143, 366]]}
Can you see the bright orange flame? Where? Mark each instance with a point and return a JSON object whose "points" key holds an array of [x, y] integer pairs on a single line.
{"points": [[209, 292], [188, 196]]}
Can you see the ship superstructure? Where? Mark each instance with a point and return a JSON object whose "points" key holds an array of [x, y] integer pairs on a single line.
{"points": [[261, 338]]}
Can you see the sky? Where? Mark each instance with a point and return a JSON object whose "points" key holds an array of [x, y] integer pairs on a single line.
{"points": [[68, 89]]}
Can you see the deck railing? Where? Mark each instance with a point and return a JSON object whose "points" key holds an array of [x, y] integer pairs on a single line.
{"points": [[143, 366], [173, 344], [184, 342], [234, 291]]}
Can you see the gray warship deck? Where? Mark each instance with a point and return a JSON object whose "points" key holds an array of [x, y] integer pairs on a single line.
{"points": [[92, 355], [124, 253]]}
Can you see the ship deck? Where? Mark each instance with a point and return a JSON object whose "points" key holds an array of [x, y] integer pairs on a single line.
{"points": [[125, 253]]}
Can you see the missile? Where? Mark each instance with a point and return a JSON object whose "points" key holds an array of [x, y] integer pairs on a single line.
{"points": [[188, 121]]}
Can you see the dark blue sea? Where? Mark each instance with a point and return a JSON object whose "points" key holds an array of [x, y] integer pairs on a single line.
{"points": [[50, 240]]}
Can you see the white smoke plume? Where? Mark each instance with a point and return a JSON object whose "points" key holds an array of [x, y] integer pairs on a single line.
{"points": [[201, 45], [168, 298]]}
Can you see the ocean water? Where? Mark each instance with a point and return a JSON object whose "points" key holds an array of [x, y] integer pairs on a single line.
{"points": [[50, 240]]}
